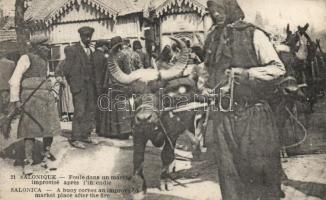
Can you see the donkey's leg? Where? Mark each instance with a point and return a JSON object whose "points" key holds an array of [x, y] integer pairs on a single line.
{"points": [[168, 163], [140, 141]]}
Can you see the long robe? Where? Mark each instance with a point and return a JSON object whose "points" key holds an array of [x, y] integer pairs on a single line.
{"points": [[40, 116], [246, 140], [116, 122]]}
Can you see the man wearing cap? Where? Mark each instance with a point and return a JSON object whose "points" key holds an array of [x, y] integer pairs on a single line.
{"points": [[39, 116], [79, 72], [246, 139], [144, 58]]}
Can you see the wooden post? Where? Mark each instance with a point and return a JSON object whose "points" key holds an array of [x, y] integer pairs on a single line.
{"points": [[21, 31]]}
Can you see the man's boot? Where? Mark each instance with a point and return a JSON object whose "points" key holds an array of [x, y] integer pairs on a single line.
{"points": [[48, 161], [27, 167]]}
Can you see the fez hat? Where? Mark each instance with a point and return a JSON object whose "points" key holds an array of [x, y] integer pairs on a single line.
{"points": [[136, 45], [116, 40], [86, 30]]}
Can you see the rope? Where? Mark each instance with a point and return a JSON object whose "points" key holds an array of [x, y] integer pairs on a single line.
{"points": [[166, 134], [300, 125]]}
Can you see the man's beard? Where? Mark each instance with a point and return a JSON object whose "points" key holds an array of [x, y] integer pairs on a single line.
{"points": [[86, 43]]}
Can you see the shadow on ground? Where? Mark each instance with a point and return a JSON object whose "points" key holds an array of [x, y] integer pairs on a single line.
{"points": [[185, 179], [309, 188], [16, 152]]}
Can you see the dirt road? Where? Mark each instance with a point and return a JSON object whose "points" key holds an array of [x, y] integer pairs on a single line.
{"points": [[104, 171]]}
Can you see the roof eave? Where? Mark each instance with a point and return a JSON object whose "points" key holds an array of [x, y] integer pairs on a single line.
{"points": [[162, 9]]}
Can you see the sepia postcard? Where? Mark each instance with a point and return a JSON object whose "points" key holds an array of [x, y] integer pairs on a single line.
{"points": [[163, 99]]}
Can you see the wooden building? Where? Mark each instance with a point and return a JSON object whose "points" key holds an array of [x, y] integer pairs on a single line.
{"points": [[8, 39], [180, 18], [59, 20]]}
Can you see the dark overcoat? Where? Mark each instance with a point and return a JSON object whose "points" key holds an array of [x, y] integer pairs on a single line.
{"points": [[79, 72]]}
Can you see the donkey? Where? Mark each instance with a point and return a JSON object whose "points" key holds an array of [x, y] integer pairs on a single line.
{"points": [[321, 57], [302, 61], [294, 93]]}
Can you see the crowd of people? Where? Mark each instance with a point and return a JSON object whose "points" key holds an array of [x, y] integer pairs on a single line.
{"points": [[246, 140]]}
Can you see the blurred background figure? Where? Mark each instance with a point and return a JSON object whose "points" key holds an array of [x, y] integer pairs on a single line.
{"points": [[197, 54], [116, 123], [144, 57], [100, 64], [175, 52], [65, 105], [165, 58], [7, 67], [132, 57]]}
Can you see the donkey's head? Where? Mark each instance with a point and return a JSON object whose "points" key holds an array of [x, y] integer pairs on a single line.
{"points": [[300, 42]]}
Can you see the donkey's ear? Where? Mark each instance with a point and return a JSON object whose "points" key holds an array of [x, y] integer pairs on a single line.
{"points": [[288, 31], [306, 27]]}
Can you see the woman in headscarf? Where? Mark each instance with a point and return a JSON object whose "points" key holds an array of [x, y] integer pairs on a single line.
{"points": [[246, 139], [116, 122]]}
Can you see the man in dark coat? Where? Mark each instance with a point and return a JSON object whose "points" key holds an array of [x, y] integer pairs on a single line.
{"points": [[79, 72], [246, 139]]}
